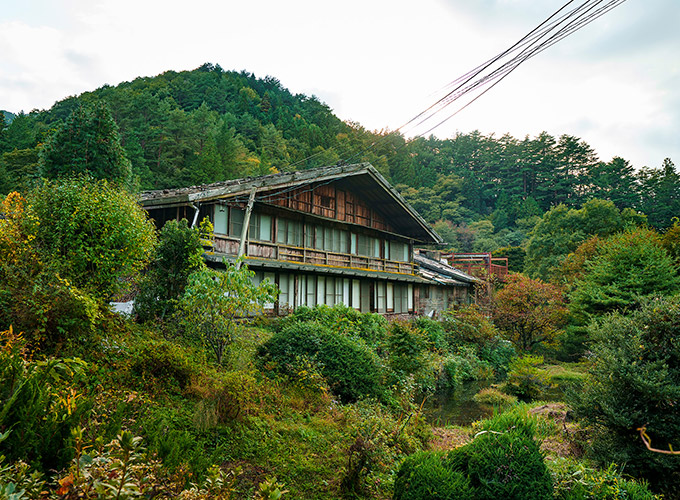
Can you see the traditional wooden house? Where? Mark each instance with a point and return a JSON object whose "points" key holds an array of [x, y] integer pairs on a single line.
{"points": [[331, 235]]}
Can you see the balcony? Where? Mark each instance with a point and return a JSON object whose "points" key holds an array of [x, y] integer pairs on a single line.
{"points": [[226, 245]]}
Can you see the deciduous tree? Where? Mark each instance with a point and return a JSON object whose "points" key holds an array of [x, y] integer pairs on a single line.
{"points": [[529, 311], [626, 267], [215, 303]]}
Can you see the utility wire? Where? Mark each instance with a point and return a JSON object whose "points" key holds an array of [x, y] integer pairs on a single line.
{"points": [[554, 29], [507, 68]]}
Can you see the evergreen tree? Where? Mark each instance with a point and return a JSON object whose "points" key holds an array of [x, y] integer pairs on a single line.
{"points": [[87, 143], [660, 190]]}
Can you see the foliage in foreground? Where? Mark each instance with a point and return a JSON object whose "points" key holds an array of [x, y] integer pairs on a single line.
{"points": [[216, 303], [502, 461], [635, 382], [575, 480], [64, 250]]}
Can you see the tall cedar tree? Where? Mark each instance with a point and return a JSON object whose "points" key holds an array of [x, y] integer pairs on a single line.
{"points": [[87, 143]]}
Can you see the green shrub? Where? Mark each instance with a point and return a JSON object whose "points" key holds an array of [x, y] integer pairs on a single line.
{"points": [[498, 354], [574, 481], [493, 397], [433, 331], [502, 461], [370, 327], [635, 382], [525, 379], [516, 420], [465, 366], [425, 476], [40, 401], [406, 346], [468, 325], [351, 368], [163, 361], [178, 254], [503, 465]]}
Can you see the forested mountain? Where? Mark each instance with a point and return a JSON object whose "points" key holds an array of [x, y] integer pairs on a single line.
{"points": [[207, 125]]}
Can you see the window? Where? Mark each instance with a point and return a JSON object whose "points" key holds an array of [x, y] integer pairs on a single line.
{"points": [[284, 296], [310, 290], [236, 216], [310, 236], [220, 219], [381, 296], [356, 294], [330, 292], [401, 298], [399, 251], [289, 232], [363, 245], [260, 227], [326, 201], [320, 289]]}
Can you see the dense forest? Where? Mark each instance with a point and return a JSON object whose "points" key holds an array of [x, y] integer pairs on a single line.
{"points": [[572, 363], [207, 125]]}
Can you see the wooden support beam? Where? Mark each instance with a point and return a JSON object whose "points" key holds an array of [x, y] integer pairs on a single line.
{"points": [[246, 224]]}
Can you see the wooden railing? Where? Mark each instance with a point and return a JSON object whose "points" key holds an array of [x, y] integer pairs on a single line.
{"points": [[312, 256], [474, 263]]}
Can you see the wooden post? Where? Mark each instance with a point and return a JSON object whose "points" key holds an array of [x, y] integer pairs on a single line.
{"points": [[246, 224]]}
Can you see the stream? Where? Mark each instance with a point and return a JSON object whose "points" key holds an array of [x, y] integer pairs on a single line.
{"points": [[456, 407]]}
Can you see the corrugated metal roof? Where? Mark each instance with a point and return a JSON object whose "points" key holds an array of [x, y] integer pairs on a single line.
{"points": [[441, 270]]}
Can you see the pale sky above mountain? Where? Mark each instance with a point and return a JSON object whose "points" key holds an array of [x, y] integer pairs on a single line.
{"points": [[615, 83]]}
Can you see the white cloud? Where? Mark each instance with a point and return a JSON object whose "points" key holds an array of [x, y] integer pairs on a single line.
{"points": [[377, 62]]}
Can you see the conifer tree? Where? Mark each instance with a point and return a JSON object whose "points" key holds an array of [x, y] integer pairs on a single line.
{"points": [[87, 143]]}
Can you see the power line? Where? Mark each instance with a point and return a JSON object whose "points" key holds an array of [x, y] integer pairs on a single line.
{"points": [[552, 30]]}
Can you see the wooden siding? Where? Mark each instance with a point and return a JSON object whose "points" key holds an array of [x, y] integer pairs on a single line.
{"points": [[333, 203]]}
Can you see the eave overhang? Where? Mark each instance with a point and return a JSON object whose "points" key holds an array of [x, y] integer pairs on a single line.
{"points": [[363, 178]]}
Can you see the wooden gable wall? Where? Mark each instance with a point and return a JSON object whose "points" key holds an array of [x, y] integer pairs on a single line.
{"points": [[329, 201]]}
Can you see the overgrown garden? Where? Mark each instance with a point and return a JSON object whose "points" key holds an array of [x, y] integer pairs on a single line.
{"points": [[196, 395]]}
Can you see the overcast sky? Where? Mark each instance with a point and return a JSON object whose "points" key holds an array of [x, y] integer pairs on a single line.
{"points": [[615, 83]]}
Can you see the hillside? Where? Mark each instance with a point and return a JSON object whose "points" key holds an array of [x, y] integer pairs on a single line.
{"points": [[206, 125]]}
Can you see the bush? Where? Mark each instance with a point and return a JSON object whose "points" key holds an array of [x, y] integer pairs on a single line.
{"points": [[503, 461], [525, 379], [635, 382], [425, 476], [342, 319], [225, 398], [574, 481], [503, 465], [40, 402], [179, 253], [164, 362], [352, 369], [96, 233], [406, 346], [498, 354], [493, 397], [468, 325], [465, 366], [434, 332]]}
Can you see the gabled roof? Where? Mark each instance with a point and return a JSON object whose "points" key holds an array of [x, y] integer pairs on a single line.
{"points": [[361, 178]]}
